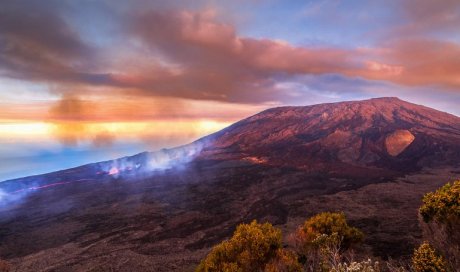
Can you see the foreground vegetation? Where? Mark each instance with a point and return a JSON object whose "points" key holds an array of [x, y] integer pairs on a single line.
{"points": [[440, 221], [326, 242]]}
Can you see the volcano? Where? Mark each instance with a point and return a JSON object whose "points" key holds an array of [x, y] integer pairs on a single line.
{"points": [[162, 211], [383, 133]]}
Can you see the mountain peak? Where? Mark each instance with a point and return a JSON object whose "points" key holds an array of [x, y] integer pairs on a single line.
{"points": [[382, 132], [386, 98]]}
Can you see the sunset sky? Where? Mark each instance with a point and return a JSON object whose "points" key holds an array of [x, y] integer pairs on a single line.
{"points": [[84, 81]]}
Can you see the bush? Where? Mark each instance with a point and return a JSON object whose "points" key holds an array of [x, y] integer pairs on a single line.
{"points": [[284, 261], [364, 266], [320, 242], [333, 225], [440, 214], [426, 259], [443, 204], [322, 239], [250, 248]]}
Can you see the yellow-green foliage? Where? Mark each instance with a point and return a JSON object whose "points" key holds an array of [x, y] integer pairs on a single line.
{"points": [[442, 204], [426, 259], [285, 261], [330, 224], [250, 248]]}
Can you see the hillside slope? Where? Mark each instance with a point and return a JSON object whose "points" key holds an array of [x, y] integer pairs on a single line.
{"points": [[162, 211], [383, 132]]}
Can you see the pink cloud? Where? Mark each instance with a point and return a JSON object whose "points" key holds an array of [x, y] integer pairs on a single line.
{"points": [[194, 55]]}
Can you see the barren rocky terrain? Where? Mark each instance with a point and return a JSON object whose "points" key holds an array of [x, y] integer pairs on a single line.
{"points": [[372, 159]]}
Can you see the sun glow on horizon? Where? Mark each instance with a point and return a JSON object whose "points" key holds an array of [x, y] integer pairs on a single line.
{"points": [[124, 129], [10, 130]]}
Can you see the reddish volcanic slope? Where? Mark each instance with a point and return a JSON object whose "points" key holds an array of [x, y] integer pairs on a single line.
{"points": [[162, 211], [385, 133]]}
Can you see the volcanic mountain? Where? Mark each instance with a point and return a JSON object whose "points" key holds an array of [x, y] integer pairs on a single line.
{"points": [[162, 211], [385, 133]]}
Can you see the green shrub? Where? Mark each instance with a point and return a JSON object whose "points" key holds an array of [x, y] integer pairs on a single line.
{"points": [[250, 248], [426, 259], [443, 204]]}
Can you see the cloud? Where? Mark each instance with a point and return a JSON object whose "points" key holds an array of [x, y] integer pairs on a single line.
{"points": [[208, 60], [429, 17], [103, 139], [204, 59], [214, 59], [36, 43], [69, 116], [416, 62], [73, 120], [194, 54]]}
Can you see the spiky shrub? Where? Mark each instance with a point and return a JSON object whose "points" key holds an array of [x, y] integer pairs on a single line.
{"points": [[284, 261], [440, 215], [329, 223], [250, 248], [442, 205], [322, 239], [426, 259]]}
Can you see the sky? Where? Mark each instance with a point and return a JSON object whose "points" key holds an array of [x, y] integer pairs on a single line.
{"points": [[85, 81]]}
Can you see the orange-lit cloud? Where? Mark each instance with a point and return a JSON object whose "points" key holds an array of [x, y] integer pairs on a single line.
{"points": [[158, 134], [194, 54], [417, 62], [124, 109], [102, 121], [215, 63], [390, 70]]}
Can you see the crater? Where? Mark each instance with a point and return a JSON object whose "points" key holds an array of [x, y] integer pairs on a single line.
{"points": [[398, 141]]}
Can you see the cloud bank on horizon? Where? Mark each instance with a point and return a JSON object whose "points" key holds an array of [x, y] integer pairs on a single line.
{"points": [[110, 68]]}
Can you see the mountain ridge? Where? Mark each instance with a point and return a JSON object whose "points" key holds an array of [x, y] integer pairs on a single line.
{"points": [[217, 145], [164, 210], [305, 126]]}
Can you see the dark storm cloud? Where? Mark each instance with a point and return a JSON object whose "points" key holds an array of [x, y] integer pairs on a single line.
{"points": [[38, 44]]}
